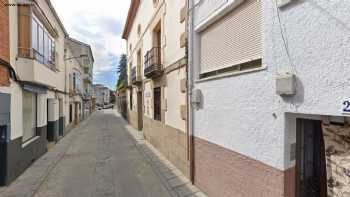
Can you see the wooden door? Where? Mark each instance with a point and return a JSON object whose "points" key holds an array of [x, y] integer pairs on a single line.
{"points": [[140, 110], [157, 104]]}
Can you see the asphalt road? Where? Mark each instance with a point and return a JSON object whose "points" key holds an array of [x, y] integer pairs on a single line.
{"points": [[103, 161]]}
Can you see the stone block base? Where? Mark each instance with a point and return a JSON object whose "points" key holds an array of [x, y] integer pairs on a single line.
{"points": [[171, 142]]}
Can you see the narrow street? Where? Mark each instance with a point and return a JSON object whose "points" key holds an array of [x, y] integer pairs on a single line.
{"points": [[102, 161]]}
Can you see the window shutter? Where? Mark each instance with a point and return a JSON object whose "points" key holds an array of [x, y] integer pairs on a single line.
{"points": [[234, 39], [24, 23]]}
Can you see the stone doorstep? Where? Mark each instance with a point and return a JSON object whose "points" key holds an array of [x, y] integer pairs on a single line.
{"points": [[173, 179]]}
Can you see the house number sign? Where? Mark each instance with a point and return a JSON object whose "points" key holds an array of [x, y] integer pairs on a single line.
{"points": [[346, 107]]}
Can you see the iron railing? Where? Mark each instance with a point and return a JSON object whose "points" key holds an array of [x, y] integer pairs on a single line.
{"points": [[153, 62]]}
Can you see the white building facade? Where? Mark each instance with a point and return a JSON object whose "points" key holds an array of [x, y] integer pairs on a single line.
{"points": [[35, 101], [269, 94]]}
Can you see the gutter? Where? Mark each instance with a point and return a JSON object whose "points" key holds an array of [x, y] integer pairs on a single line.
{"points": [[190, 119]]}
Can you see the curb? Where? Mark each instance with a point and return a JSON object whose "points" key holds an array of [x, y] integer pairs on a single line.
{"points": [[175, 182]]}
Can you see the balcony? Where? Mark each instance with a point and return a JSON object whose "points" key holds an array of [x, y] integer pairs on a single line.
{"points": [[33, 67], [153, 66], [35, 55], [135, 76]]}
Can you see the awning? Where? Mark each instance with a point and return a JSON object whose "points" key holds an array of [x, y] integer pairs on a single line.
{"points": [[35, 88]]}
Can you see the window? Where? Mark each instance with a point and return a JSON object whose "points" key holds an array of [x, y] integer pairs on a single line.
{"points": [[77, 85], [46, 48], [40, 44], [70, 82], [157, 104], [35, 35], [29, 115], [43, 44], [234, 42], [74, 82]]}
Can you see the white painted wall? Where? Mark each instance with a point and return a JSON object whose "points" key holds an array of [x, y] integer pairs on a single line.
{"points": [[148, 99], [53, 110], [16, 109], [173, 30], [243, 112], [175, 98]]}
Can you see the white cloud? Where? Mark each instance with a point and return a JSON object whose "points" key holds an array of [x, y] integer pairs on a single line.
{"points": [[98, 23]]}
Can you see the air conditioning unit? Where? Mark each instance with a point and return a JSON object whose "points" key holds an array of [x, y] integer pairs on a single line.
{"points": [[285, 84]]}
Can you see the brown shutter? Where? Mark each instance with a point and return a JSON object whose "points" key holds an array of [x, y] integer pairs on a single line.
{"points": [[234, 39], [4, 31], [24, 24], [4, 43]]}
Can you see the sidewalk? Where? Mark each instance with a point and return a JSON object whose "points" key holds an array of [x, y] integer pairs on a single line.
{"points": [[177, 184], [27, 184]]}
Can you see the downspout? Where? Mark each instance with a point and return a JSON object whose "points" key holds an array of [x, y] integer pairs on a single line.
{"points": [[190, 112]]}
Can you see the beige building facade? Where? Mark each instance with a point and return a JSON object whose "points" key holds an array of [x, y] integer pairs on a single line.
{"points": [[156, 96]]}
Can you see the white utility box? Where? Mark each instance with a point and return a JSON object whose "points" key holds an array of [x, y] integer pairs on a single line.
{"points": [[285, 84]]}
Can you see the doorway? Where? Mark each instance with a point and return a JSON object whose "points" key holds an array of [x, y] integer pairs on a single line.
{"points": [[140, 110], [311, 175], [70, 113], [76, 113], [5, 122], [61, 118], [157, 104]]}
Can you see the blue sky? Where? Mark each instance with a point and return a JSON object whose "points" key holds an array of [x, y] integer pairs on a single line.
{"points": [[100, 24]]}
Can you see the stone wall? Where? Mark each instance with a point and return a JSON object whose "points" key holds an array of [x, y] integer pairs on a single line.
{"points": [[133, 119], [337, 148]]}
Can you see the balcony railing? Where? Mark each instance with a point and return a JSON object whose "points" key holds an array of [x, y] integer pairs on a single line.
{"points": [[153, 66], [31, 53], [135, 75]]}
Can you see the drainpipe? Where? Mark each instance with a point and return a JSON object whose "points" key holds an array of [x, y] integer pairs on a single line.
{"points": [[190, 111]]}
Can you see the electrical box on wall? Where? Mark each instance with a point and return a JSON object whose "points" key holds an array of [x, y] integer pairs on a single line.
{"points": [[285, 84], [196, 98]]}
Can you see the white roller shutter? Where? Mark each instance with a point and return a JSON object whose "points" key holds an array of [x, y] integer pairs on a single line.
{"points": [[234, 39]]}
